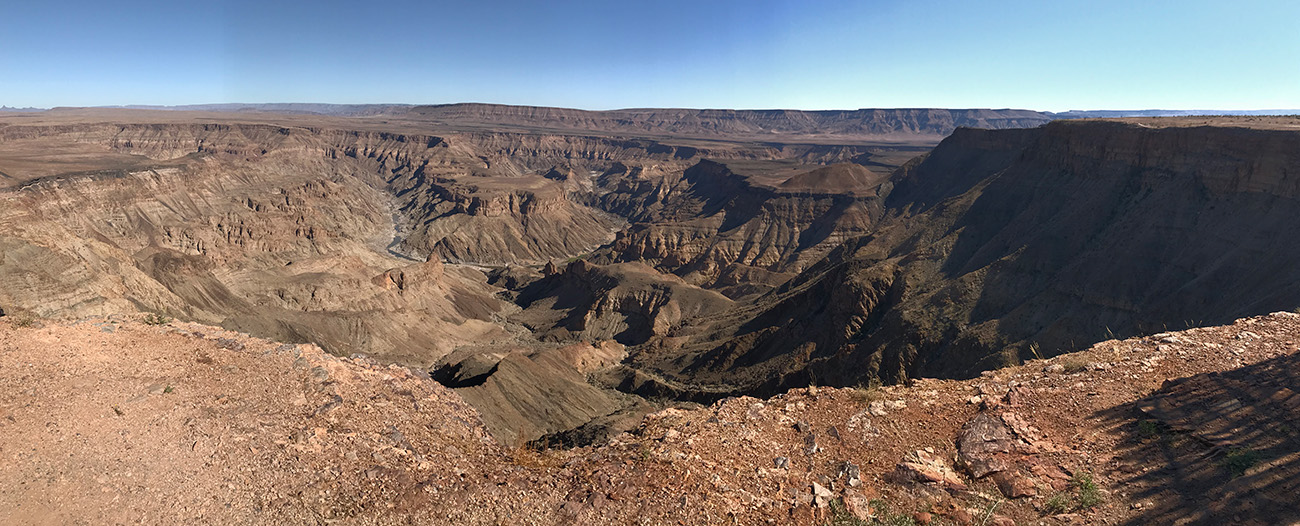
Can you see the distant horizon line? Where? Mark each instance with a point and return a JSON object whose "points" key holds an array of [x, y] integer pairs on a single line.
{"points": [[256, 105]]}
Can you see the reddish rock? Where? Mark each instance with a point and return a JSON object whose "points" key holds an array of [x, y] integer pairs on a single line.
{"points": [[962, 517], [928, 468], [859, 506], [1052, 474], [1013, 485], [1016, 396]]}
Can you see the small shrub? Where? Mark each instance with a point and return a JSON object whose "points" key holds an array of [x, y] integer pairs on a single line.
{"points": [[1089, 493], [23, 320], [154, 318], [866, 395], [898, 519], [1074, 365], [988, 513], [884, 516], [1083, 494], [531, 456], [1240, 459], [1148, 428], [1058, 504]]}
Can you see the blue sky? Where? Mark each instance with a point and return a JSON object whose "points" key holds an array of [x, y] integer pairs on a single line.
{"points": [[812, 54]]}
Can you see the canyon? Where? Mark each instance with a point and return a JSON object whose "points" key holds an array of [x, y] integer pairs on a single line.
{"points": [[609, 283], [420, 238]]}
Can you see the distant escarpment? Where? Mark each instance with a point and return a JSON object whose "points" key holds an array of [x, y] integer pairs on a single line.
{"points": [[1003, 245], [738, 124]]}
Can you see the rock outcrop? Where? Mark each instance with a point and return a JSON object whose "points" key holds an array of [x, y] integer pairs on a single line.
{"points": [[625, 302], [526, 394]]}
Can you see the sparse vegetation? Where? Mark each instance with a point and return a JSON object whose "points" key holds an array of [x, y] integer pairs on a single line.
{"points": [[1240, 459], [1083, 494], [1074, 364], [1148, 428], [1058, 504], [1176, 440], [867, 394], [154, 318], [899, 519], [23, 320], [840, 516], [532, 456], [883, 516], [886, 517], [1088, 492], [988, 513]]}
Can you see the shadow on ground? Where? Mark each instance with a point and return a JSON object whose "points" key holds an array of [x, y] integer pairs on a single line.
{"points": [[1212, 449]]}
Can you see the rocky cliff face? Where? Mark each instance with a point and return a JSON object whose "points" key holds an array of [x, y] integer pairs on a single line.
{"points": [[1001, 245], [500, 198], [743, 230]]}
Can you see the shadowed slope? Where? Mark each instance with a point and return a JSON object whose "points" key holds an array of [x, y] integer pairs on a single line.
{"points": [[1006, 243]]}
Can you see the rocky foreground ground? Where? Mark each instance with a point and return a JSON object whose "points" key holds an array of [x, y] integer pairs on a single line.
{"points": [[115, 421]]}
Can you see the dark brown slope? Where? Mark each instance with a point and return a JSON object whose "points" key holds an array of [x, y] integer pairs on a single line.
{"points": [[1003, 244]]}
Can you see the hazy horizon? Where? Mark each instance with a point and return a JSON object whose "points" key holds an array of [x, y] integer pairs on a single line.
{"points": [[263, 105]]}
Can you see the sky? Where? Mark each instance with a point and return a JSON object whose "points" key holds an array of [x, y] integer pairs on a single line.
{"points": [[1051, 55]]}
